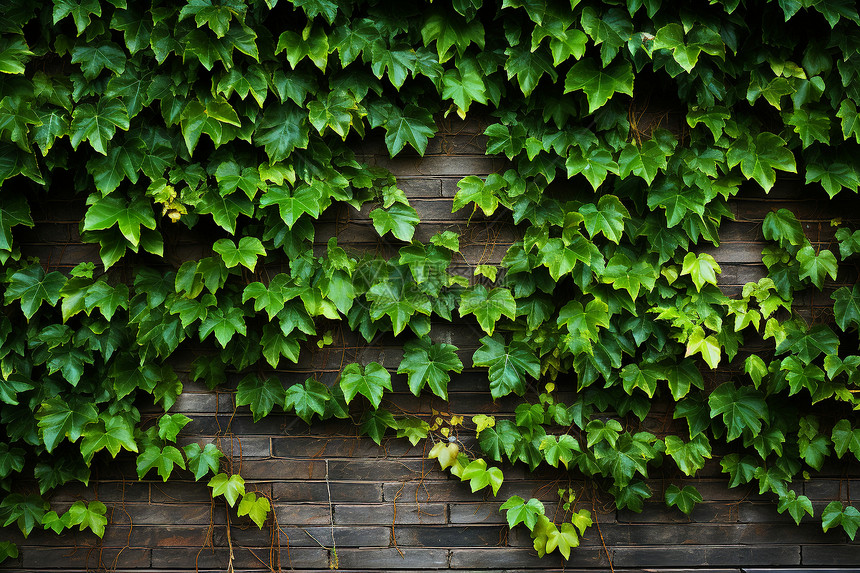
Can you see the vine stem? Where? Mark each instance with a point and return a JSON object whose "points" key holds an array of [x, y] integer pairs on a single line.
{"points": [[333, 563], [229, 539], [600, 533]]}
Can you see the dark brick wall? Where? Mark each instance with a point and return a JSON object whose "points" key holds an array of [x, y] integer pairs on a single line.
{"points": [[342, 501]]}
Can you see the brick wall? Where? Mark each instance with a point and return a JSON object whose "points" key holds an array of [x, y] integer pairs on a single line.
{"points": [[342, 501]]}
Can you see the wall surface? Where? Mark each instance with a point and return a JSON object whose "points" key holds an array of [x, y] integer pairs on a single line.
{"points": [[343, 502]]}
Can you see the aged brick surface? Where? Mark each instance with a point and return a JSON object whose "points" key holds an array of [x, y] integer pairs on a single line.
{"points": [[342, 500]]}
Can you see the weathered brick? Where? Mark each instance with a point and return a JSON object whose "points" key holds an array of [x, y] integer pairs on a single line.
{"points": [[451, 536], [192, 558], [483, 558], [702, 513], [335, 447], [453, 489], [392, 558], [378, 470], [302, 514], [168, 514], [696, 555], [847, 555], [283, 469], [390, 514], [477, 513], [85, 558], [355, 492], [349, 536]]}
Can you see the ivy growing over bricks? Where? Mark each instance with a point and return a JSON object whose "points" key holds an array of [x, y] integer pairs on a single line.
{"points": [[237, 120]]}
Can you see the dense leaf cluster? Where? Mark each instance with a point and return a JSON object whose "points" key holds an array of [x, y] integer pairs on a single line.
{"points": [[237, 118]]}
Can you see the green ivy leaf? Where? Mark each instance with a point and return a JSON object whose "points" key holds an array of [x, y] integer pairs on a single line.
{"points": [[307, 399], [88, 516], [413, 429], [374, 423], [281, 129], [846, 307], [816, 266], [33, 287], [427, 363], [245, 253], [257, 508], [850, 119], [400, 302], [162, 459], [507, 365], [742, 408], [559, 449], [110, 432], [231, 487], [690, 457], [98, 123], [624, 274], [202, 460], [483, 193], [128, 217], [96, 57], [27, 512], [599, 83], [413, 125], [488, 306], [528, 66], [782, 226], [607, 217], [517, 510], [685, 499], [370, 383], [760, 157], [399, 219], [260, 394], [702, 268]]}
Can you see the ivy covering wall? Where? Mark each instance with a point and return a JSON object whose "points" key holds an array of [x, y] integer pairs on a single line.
{"points": [[238, 120]]}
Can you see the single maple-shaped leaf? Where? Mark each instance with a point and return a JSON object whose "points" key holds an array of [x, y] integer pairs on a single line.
{"points": [[624, 274], [507, 365], [257, 508], [202, 460], [684, 499], [261, 394], [282, 128], [307, 399], [33, 287], [231, 487], [702, 268], [128, 217], [370, 383], [413, 125], [607, 217], [760, 157], [426, 363], [488, 306], [595, 163], [783, 226], [846, 307], [162, 459], [742, 408], [110, 432], [519, 510], [98, 123], [245, 253], [599, 83], [483, 193], [87, 516], [816, 266], [689, 457], [399, 219]]}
